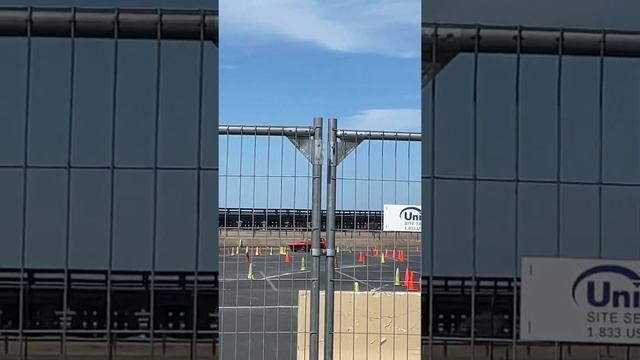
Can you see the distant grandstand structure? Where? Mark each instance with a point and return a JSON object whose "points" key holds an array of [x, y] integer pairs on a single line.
{"points": [[296, 219]]}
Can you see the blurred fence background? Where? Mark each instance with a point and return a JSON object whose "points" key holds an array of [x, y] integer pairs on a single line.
{"points": [[107, 132], [533, 145]]}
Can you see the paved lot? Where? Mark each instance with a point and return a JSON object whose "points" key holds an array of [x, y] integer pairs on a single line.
{"points": [[264, 310]]}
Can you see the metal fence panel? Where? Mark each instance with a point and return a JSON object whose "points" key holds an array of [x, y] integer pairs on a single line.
{"points": [[106, 182], [368, 170], [266, 230], [528, 129]]}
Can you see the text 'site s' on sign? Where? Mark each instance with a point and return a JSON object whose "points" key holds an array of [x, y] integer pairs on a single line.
{"points": [[403, 218], [580, 300]]}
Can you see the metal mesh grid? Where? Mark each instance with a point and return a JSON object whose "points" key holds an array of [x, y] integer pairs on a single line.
{"points": [[93, 196], [524, 159], [373, 265], [265, 260]]}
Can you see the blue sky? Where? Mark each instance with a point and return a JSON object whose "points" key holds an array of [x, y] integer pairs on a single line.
{"points": [[283, 62], [286, 61]]}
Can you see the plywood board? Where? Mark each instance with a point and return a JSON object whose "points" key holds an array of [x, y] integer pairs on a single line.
{"points": [[366, 325]]}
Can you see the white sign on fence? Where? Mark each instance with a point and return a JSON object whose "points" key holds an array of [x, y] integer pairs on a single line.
{"points": [[406, 218], [580, 300]]}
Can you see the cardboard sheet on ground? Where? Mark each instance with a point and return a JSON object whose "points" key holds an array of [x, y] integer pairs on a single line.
{"points": [[380, 325]]}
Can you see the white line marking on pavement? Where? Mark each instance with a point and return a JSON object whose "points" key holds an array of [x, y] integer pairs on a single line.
{"points": [[352, 266], [269, 281], [285, 274], [352, 278]]}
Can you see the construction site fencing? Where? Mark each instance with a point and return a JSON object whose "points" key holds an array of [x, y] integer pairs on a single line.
{"points": [[373, 272], [295, 285], [106, 183], [264, 170], [531, 150]]}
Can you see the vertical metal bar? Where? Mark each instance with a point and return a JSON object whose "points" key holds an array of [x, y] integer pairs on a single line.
{"points": [[353, 232], [600, 146], [155, 184], [514, 317], [408, 247], [558, 347], [25, 183], [226, 224], [474, 224], [253, 233], [65, 295], [194, 338], [266, 239], [235, 355], [307, 231], [332, 160], [432, 191], [601, 139], [382, 182], [114, 117], [315, 240], [295, 172], [395, 234]]}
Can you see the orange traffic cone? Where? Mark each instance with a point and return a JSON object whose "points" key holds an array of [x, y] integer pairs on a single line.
{"points": [[401, 256], [386, 253], [406, 278], [412, 285], [287, 257], [361, 258], [417, 248], [393, 254], [377, 252]]}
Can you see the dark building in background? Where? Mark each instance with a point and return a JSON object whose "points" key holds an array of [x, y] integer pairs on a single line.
{"points": [[108, 181]]}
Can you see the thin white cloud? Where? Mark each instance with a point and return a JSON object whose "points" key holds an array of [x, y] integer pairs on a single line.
{"points": [[389, 27], [407, 120]]}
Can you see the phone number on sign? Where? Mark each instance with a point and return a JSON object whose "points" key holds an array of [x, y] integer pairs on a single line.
{"points": [[613, 332]]}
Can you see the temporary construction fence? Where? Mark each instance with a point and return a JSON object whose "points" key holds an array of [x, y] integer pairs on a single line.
{"points": [[106, 252], [531, 135], [260, 271], [278, 303]]}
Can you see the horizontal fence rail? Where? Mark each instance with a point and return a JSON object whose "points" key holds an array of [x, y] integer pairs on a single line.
{"points": [[442, 42], [508, 124], [103, 23]]}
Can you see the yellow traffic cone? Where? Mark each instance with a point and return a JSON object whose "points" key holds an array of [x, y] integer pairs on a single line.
{"points": [[356, 286], [338, 249], [270, 250], [251, 275], [303, 265], [257, 251], [240, 243], [396, 280], [382, 259], [233, 251], [238, 250]]}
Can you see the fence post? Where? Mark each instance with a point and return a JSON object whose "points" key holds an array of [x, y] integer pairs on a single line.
{"points": [[316, 252], [331, 213]]}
